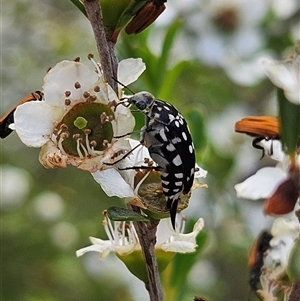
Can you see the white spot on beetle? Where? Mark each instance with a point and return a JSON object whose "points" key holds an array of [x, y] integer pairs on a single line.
{"points": [[177, 161], [170, 147]]}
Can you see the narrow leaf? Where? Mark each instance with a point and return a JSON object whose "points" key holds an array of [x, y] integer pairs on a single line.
{"points": [[289, 115], [123, 214]]}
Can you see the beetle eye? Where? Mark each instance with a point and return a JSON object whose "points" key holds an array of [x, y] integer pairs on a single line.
{"points": [[141, 105]]}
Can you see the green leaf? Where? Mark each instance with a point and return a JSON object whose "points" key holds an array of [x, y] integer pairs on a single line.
{"points": [[130, 11], [293, 269], [289, 116], [80, 6], [197, 127], [123, 214], [112, 11], [162, 62]]}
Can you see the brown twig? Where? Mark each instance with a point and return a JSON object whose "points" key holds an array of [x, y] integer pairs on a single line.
{"points": [[109, 63], [147, 238], [295, 293], [108, 59]]}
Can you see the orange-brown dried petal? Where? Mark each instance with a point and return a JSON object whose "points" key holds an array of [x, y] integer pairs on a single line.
{"points": [[283, 200], [260, 126]]}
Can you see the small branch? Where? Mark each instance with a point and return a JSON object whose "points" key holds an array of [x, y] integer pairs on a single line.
{"points": [[295, 293], [147, 238], [109, 62]]}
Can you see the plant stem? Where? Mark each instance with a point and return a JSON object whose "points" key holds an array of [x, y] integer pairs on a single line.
{"points": [[109, 64], [106, 49], [295, 293], [147, 238]]}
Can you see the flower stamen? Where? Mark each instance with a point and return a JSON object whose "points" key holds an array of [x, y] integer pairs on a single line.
{"points": [[86, 94], [97, 89], [67, 101], [62, 137], [77, 85]]}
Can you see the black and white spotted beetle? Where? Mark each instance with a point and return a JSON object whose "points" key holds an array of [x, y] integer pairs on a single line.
{"points": [[167, 137]]}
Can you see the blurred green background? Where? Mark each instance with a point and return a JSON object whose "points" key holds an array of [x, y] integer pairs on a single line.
{"points": [[202, 56]]}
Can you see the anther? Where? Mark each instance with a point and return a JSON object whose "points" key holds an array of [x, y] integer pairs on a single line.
{"points": [[91, 98], [112, 103], [86, 94], [110, 118], [77, 85], [67, 93], [55, 131], [105, 142], [87, 131], [97, 89], [77, 59], [76, 136], [67, 101], [90, 56], [63, 127], [65, 135], [93, 143]]}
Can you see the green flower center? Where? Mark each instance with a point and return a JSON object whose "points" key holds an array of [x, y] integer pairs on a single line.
{"points": [[85, 130]]}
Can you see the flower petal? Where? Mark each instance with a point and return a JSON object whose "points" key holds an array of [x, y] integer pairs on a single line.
{"points": [[98, 245], [183, 243], [260, 185], [273, 148], [129, 70], [124, 121], [112, 183], [179, 247], [33, 123], [285, 75], [62, 77]]}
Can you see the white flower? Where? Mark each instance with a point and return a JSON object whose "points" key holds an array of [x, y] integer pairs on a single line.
{"points": [[123, 238], [227, 27], [285, 75], [176, 240], [78, 118], [284, 232]]}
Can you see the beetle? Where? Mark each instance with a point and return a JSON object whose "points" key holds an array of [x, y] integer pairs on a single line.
{"points": [[7, 119], [168, 139]]}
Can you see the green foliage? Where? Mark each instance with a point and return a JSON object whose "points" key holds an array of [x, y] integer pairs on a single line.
{"points": [[123, 214], [293, 269], [289, 115]]}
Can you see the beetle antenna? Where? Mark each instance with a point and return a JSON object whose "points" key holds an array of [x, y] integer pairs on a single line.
{"points": [[123, 85]]}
